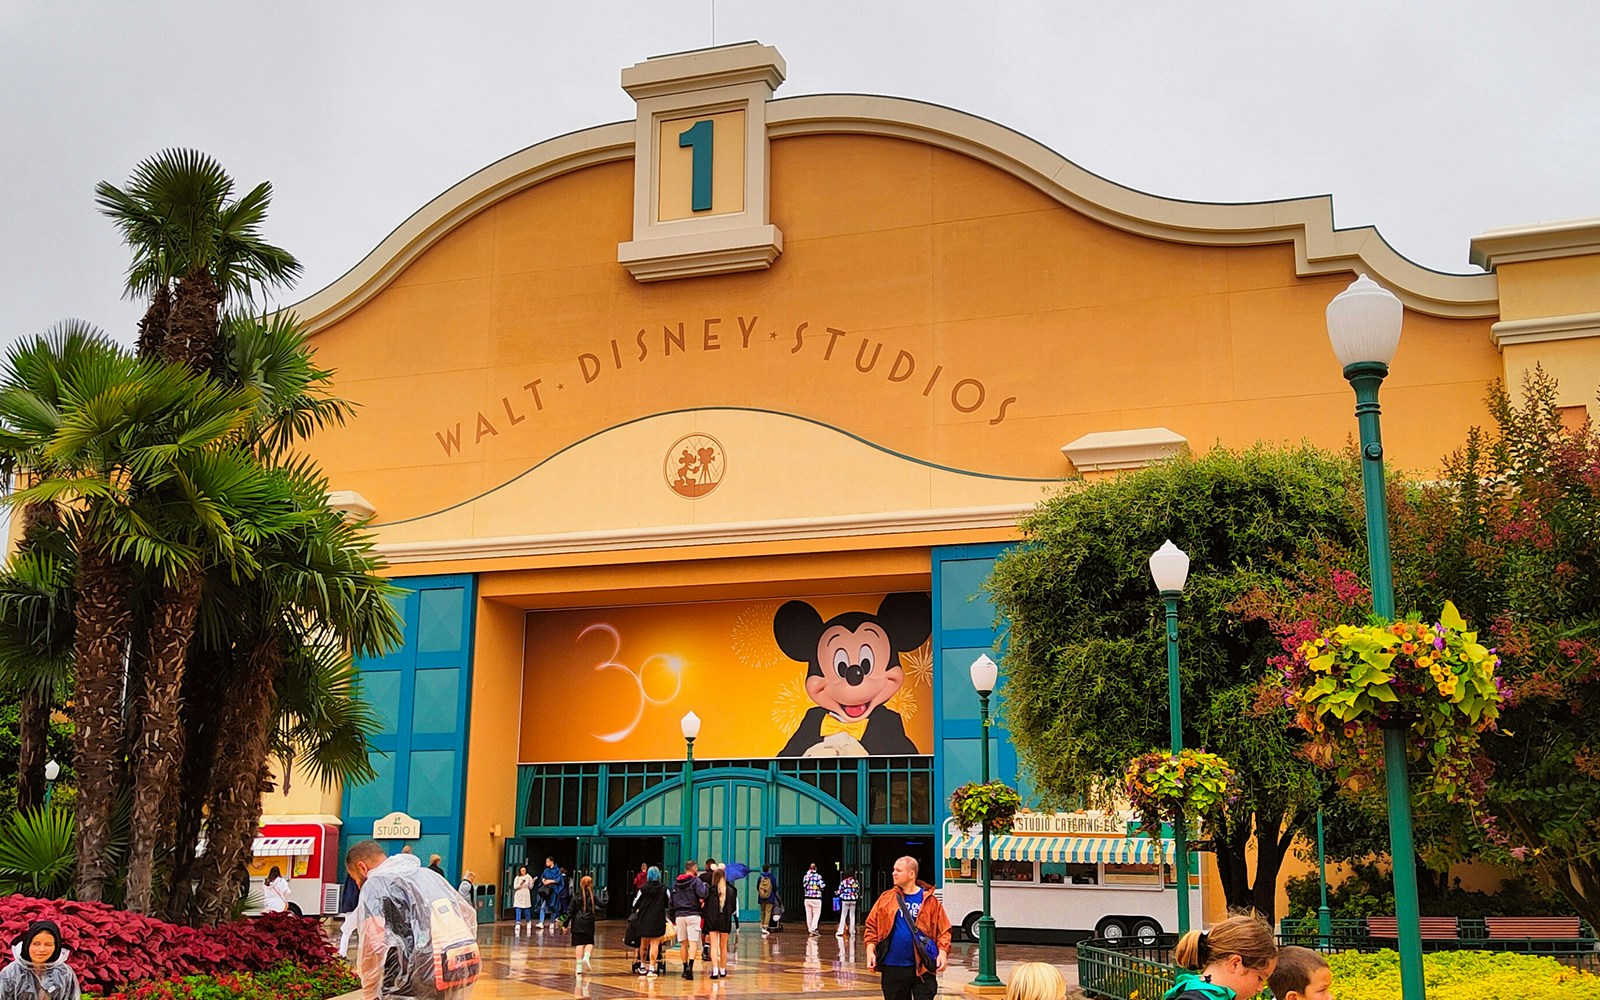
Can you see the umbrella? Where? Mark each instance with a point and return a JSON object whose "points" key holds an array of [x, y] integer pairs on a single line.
{"points": [[735, 871]]}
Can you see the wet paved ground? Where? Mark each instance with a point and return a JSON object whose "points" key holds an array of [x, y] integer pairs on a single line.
{"points": [[528, 963]]}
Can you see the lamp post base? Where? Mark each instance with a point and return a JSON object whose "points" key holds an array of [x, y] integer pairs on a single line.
{"points": [[973, 989], [986, 979]]}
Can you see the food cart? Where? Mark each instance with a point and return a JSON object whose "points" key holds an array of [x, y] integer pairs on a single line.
{"points": [[1065, 877], [307, 855]]}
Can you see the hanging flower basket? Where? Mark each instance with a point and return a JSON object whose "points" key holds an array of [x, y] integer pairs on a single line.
{"points": [[1435, 680], [1162, 786], [993, 805]]}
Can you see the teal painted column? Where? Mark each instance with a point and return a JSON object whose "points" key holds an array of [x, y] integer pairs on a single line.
{"points": [[1365, 378], [1180, 839]]}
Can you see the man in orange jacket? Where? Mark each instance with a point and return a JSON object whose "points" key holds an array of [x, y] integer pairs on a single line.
{"points": [[908, 972]]}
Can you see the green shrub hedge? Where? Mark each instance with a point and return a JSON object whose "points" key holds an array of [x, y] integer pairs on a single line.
{"points": [[1463, 975]]}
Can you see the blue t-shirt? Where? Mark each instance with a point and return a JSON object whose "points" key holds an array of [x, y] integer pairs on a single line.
{"points": [[902, 947]]}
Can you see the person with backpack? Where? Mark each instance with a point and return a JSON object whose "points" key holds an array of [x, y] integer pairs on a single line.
{"points": [[907, 936], [686, 901], [418, 937], [766, 895]]}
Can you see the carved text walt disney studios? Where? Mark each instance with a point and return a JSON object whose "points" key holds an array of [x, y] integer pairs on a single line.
{"points": [[827, 344]]}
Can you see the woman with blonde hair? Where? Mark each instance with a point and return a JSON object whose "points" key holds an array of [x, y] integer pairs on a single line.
{"points": [[1036, 981], [580, 921], [721, 905], [1231, 961]]}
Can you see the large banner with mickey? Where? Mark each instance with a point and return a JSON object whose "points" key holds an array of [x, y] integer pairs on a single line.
{"points": [[846, 676]]}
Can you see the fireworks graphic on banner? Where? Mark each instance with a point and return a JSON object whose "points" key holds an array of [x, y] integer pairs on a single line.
{"points": [[790, 707], [753, 641], [918, 666]]}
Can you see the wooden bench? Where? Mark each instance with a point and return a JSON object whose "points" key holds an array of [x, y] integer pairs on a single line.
{"points": [[1433, 928], [1533, 928]]}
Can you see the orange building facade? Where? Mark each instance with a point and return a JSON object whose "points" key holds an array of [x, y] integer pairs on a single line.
{"points": [[645, 406]]}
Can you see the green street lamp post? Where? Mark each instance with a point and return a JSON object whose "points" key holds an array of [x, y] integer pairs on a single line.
{"points": [[1324, 915], [52, 771], [1169, 567], [690, 725], [985, 674], [1364, 327]]}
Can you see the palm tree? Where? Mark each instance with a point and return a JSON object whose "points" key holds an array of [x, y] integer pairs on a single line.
{"points": [[194, 250], [103, 432], [36, 640], [319, 590]]}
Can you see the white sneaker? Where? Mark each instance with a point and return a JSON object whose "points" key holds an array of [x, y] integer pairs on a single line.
{"points": [[540, 926]]}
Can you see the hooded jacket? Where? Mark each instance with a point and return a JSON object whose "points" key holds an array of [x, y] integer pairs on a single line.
{"points": [[18, 981], [419, 938], [649, 916], [1191, 986], [688, 891]]}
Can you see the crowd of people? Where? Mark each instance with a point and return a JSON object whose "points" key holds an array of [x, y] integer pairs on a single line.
{"points": [[418, 934]]}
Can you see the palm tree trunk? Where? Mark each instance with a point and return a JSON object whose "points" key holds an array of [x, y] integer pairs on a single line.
{"points": [[201, 711], [103, 615], [249, 711], [192, 324], [33, 735], [153, 325], [156, 755]]}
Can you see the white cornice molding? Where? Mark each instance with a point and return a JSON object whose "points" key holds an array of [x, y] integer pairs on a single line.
{"points": [[634, 539], [1105, 451], [1540, 241], [1307, 223], [349, 502], [1544, 328]]}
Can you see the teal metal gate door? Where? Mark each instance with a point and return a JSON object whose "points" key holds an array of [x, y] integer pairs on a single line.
{"points": [[729, 814]]}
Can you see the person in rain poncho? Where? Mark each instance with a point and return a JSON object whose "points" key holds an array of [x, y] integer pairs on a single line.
{"points": [[418, 937], [39, 966]]}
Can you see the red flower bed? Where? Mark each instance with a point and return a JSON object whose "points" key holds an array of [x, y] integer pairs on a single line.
{"points": [[111, 947]]}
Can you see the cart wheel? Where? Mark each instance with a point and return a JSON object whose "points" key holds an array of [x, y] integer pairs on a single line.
{"points": [[1146, 931], [1111, 929], [969, 926]]}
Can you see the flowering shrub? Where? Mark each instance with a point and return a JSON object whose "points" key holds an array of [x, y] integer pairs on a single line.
{"points": [[1463, 975], [285, 980], [111, 947], [994, 804], [1193, 783], [1350, 682]]}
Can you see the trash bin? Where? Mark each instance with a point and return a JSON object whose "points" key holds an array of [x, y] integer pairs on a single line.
{"points": [[483, 901]]}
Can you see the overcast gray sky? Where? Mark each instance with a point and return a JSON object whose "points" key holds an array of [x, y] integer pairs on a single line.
{"points": [[1433, 121]]}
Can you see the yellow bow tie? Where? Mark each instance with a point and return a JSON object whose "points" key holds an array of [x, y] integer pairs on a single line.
{"points": [[831, 725]]}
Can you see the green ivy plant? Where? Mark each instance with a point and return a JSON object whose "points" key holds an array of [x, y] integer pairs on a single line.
{"points": [[993, 805]]}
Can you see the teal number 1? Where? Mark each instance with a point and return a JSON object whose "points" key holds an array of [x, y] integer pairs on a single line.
{"points": [[698, 138]]}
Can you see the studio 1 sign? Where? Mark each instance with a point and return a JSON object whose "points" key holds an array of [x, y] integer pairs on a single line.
{"points": [[397, 826]]}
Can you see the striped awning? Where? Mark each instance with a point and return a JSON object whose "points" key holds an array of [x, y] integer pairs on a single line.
{"points": [[277, 847], [1131, 850]]}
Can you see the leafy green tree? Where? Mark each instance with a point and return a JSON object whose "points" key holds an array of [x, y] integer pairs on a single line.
{"points": [[1512, 536], [1086, 653]]}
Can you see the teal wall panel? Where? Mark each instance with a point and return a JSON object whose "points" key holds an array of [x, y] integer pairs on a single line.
{"points": [[421, 694]]}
